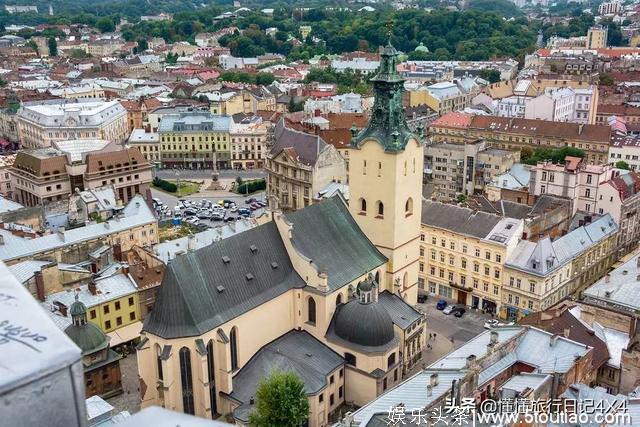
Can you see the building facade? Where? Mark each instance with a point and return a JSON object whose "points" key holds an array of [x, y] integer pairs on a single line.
{"points": [[48, 174], [463, 253], [298, 166], [195, 140], [43, 122]]}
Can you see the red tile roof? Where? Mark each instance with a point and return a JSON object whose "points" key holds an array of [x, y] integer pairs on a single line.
{"points": [[453, 120], [595, 133]]}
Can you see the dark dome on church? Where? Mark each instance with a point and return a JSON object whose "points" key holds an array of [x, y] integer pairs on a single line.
{"points": [[88, 337], [364, 324]]}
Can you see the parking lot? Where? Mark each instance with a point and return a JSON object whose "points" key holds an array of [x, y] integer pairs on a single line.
{"points": [[228, 214], [450, 332]]}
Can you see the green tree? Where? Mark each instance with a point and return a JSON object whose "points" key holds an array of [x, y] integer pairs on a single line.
{"points": [[621, 164], [280, 401], [53, 46], [33, 46], [264, 79], [606, 80], [142, 45], [105, 24], [490, 74]]}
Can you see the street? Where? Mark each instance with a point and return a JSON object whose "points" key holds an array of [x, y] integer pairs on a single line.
{"points": [[445, 327]]}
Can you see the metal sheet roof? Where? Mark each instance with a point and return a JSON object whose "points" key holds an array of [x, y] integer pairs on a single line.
{"points": [[190, 303], [402, 314], [296, 351], [327, 234], [135, 214]]}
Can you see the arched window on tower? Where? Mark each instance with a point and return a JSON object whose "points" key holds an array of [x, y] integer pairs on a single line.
{"points": [[379, 169], [186, 381], [363, 205], [405, 168], [408, 206], [311, 310], [377, 277], [233, 342], [339, 299], [405, 280], [380, 208]]}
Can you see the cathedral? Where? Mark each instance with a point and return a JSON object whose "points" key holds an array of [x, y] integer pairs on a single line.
{"points": [[327, 291]]}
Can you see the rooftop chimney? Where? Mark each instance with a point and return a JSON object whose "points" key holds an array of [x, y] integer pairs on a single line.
{"points": [[552, 340], [191, 243], [39, 285], [607, 278], [92, 287], [493, 338], [471, 361], [433, 380], [567, 332]]}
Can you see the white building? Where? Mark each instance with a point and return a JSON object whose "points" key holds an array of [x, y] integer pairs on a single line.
{"points": [[346, 103], [42, 122], [556, 105], [610, 8], [362, 65]]}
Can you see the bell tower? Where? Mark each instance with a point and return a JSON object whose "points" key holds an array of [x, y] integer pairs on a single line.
{"points": [[385, 180]]}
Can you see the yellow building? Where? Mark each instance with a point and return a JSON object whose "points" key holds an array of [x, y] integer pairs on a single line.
{"points": [[322, 290], [462, 254], [111, 301], [597, 37], [226, 102], [195, 140], [539, 274]]}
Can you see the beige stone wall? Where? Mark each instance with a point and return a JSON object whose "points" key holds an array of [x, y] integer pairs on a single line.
{"points": [[392, 179]]}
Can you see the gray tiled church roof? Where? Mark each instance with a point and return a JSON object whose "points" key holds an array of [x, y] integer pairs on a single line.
{"points": [[328, 235], [201, 291], [189, 302]]}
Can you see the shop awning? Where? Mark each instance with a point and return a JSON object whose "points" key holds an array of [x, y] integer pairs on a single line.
{"points": [[125, 334]]}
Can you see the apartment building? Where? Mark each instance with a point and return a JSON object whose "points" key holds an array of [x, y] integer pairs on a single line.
{"points": [[610, 7], [111, 301], [43, 122], [44, 175], [465, 169], [625, 148], [298, 166], [195, 140], [539, 274], [463, 253], [515, 134], [249, 141], [594, 189], [445, 97], [134, 225], [148, 143]]}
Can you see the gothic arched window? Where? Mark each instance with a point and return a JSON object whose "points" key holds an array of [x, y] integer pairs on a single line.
{"points": [[186, 381], [233, 341], [311, 310]]}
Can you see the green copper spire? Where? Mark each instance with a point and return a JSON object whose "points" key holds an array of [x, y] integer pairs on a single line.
{"points": [[387, 124]]}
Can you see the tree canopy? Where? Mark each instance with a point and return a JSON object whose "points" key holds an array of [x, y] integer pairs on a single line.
{"points": [[280, 401], [557, 155]]}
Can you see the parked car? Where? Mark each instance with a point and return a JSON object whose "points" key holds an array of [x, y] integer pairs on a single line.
{"points": [[234, 208], [204, 214], [244, 212], [193, 220], [440, 305], [254, 206], [422, 298], [229, 219], [217, 216], [449, 309], [250, 200], [156, 201], [190, 211], [459, 311], [261, 203]]}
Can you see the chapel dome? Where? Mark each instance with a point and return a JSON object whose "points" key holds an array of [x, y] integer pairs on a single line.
{"points": [[366, 324]]}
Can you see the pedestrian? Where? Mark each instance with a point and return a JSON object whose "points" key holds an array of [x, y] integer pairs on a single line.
{"points": [[451, 339], [434, 336], [429, 336]]}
